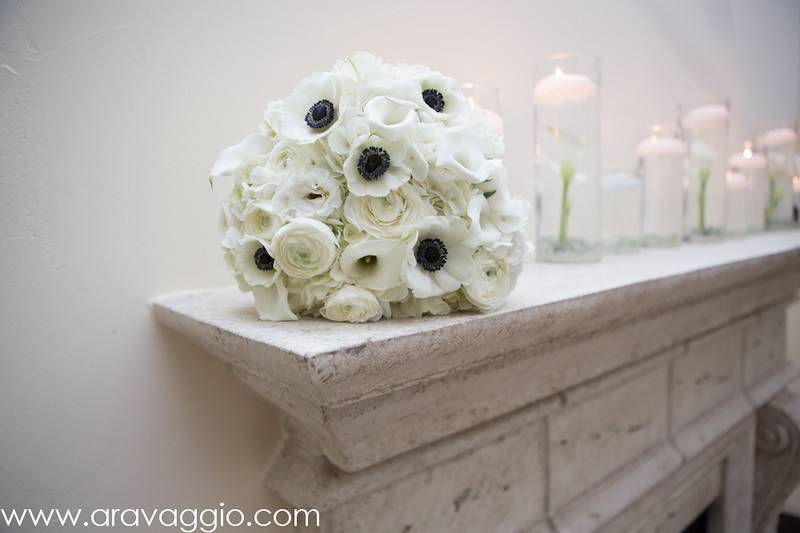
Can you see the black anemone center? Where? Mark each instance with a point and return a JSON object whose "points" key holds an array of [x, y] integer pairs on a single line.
{"points": [[320, 115], [373, 163], [263, 260], [434, 99], [431, 254]]}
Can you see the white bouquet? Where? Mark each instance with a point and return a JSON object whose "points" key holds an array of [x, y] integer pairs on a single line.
{"points": [[373, 190]]}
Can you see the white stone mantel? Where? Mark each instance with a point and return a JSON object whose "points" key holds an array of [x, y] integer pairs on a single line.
{"points": [[615, 396]]}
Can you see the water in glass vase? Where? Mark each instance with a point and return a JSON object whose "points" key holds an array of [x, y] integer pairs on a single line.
{"points": [[567, 159], [706, 130]]}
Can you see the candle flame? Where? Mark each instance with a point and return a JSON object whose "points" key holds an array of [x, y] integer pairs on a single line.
{"points": [[747, 153]]}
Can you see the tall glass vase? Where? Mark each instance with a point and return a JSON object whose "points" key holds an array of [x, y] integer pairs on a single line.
{"points": [[662, 165], [779, 146], [567, 139], [747, 190], [489, 99], [706, 130]]}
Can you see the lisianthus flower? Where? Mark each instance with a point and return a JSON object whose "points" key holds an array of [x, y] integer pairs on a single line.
{"points": [[314, 193]]}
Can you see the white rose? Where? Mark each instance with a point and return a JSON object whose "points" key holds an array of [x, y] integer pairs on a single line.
{"points": [[491, 282], [262, 220], [352, 304], [461, 153], [272, 303], [304, 248], [374, 263], [439, 260], [392, 216], [315, 193], [312, 109]]}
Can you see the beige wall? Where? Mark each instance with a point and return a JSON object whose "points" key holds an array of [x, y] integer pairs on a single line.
{"points": [[111, 114]]}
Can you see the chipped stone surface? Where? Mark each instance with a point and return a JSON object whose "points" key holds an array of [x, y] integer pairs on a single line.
{"points": [[623, 400]]}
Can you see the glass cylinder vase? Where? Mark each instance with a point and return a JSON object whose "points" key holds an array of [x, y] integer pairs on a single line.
{"points": [[779, 146], [662, 166], [567, 140], [705, 128], [748, 177], [489, 99], [622, 213]]}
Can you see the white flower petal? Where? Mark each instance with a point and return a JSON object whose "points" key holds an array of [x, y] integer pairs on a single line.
{"points": [[272, 302]]}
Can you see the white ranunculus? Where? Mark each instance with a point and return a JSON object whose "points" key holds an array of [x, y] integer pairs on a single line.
{"points": [[491, 282], [352, 304], [376, 166], [262, 220], [304, 248], [247, 153], [391, 118], [301, 108], [390, 217], [255, 262], [439, 259], [314, 193], [374, 263], [272, 303], [461, 152], [496, 218]]}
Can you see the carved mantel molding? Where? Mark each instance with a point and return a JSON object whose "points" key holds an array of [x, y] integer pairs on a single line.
{"points": [[617, 396], [777, 462]]}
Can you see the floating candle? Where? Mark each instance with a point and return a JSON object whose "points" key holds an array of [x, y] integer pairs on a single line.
{"points": [[777, 137], [660, 147], [747, 161], [560, 88], [705, 116]]}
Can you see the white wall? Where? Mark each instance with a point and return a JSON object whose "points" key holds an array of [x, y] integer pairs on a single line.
{"points": [[111, 114]]}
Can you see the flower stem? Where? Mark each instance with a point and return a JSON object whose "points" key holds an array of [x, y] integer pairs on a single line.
{"points": [[775, 197], [567, 173], [705, 174]]}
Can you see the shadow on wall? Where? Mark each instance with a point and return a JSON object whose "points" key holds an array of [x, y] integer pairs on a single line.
{"points": [[207, 395]]}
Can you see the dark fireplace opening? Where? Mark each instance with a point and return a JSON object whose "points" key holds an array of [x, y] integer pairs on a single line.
{"points": [[700, 524]]}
